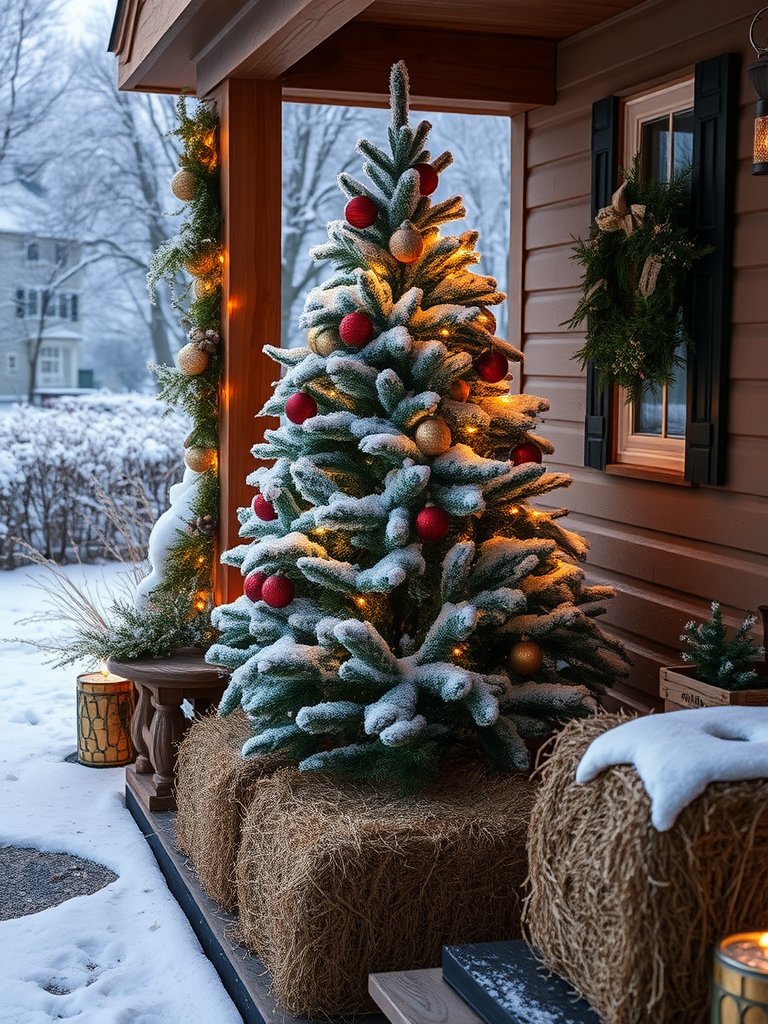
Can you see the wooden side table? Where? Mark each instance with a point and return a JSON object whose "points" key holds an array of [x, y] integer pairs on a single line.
{"points": [[158, 722]]}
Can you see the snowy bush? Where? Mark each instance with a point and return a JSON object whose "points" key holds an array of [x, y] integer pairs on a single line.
{"points": [[56, 463]]}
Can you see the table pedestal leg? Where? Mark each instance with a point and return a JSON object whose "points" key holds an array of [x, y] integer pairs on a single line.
{"points": [[165, 731], [140, 728]]}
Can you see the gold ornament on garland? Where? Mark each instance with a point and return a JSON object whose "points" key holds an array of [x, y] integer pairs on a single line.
{"points": [[636, 264], [203, 286], [192, 360], [184, 185], [433, 436], [200, 460], [323, 340], [204, 261], [526, 658], [406, 244]]}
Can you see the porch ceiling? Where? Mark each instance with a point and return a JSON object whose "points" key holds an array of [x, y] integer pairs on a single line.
{"points": [[331, 49]]}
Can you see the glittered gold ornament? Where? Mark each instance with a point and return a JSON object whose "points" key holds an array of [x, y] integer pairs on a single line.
{"points": [[323, 340], [203, 261], [526, 658], [192, 360], [433, 436], [200, 460], [183, 185], [406, 244], [203, 286]]}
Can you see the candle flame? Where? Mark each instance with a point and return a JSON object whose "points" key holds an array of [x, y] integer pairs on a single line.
{"points": [[763, 941], [103, 668]]}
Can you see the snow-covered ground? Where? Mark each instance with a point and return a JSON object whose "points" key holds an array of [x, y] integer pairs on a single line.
{"points": [[126, 954]]}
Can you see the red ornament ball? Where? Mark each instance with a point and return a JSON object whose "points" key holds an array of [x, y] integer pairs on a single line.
{"points": [[277, 591], [361, 212], [356, 329], [427, 178], [528, 452], [253, 584], [492, 366], [300, 407], [432, 523], [263, 509]]}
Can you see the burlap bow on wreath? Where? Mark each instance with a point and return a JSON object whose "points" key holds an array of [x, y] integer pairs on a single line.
{"points": [[636, 262]]}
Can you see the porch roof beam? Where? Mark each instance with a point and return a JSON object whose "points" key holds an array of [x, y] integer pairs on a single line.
{"points": [[453, 70]]}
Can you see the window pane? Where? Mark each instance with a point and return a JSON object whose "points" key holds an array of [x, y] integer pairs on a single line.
{"points": [[648, 413], [654, 145], [682, 140], [73, 306], [63, 306], [676, 399], [31, 302]]}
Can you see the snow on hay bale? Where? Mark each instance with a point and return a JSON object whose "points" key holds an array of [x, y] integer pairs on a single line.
{"points": [[629, 915], [336, 881], [213, 789]]}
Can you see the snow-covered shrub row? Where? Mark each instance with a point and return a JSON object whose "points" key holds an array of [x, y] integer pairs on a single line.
{"points": [[55, 462]]}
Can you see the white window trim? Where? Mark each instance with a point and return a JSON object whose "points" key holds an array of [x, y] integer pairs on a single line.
{"points": [[649, 450]]}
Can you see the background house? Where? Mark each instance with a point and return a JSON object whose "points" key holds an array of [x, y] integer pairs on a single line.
{"points": [[41, 305], [675, 512]]}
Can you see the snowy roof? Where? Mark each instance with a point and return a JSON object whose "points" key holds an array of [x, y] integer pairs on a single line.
{"points": [[25, 209]]}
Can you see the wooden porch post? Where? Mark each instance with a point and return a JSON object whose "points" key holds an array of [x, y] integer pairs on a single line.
{"points": [[251, 142]]}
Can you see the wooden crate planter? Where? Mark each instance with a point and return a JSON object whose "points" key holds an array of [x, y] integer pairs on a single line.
{"points": [[680, 688]]}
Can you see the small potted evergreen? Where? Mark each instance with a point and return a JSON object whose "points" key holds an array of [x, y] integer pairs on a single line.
{"points": [[716, 670]]}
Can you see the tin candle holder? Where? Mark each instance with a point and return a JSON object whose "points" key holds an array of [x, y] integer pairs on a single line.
{"points": [[740, 982]]}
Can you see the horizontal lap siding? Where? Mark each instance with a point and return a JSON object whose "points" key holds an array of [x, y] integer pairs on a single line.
{"points": [[668, 550]]}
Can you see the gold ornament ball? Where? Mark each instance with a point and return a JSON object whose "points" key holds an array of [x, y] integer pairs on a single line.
{"points": [[183, 185], [202, 287], [459, 391], [202, 263], [433, 436], [323, 340], [192, 360], [526, 658], [200, 460], [487, 320], [406, 245]]}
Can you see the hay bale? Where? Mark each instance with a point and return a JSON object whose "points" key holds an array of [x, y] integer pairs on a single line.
{"points": [[213, 789], [630, 915], [335, 881]]}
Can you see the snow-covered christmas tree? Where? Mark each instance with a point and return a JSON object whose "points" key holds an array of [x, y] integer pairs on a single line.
{"points": [[403, 601]]}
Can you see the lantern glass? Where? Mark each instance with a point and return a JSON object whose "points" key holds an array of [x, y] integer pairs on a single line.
{"points": [[760, 148], [740, 981]]}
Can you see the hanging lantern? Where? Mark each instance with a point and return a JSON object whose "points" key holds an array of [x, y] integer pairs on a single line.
{"points": [[758, 73]]}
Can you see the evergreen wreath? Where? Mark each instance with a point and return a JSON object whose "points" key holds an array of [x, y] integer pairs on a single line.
{"points": [[636, 263]]}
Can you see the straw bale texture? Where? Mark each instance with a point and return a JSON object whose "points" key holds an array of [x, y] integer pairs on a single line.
{"points": [[213, 789], [630, 915], [335, 880]]}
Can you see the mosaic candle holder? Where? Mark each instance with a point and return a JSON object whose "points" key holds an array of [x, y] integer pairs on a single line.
{"points": [[105, 705], [740, 983]]}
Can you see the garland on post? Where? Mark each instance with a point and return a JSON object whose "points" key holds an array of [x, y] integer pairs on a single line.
{"points": [[636, 263], [194, 386]]}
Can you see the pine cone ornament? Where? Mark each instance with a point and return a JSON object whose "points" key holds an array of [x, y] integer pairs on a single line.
{"points": [[406, 244], [210, 341], [196, 335], [184, 185], [203, 526]]}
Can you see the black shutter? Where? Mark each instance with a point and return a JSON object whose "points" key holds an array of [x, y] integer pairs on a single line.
{"points": [[715, 113], [605, 127]]}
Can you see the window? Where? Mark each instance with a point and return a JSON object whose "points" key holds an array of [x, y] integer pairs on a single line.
{"points": [[33, 252], [74, 312], [64, 306], [651, 432], [20, 296], [48, 300], [11, 363], [715, 118], [50, 364], [62, 254], [31, 302]]}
